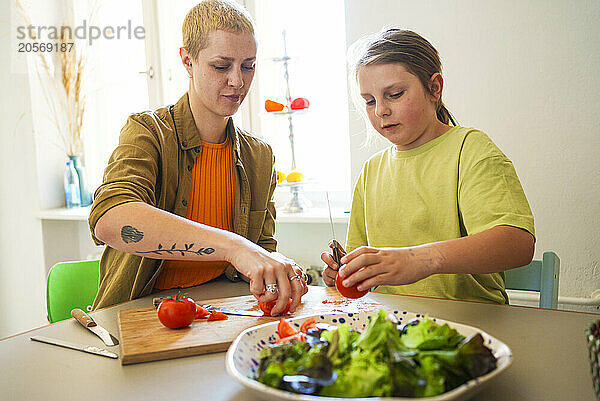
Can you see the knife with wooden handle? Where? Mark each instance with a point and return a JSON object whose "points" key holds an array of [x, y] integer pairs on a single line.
{"points": [[89, 323]]}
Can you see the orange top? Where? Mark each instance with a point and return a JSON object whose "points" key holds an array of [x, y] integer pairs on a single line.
{"points": [[211, 203]]}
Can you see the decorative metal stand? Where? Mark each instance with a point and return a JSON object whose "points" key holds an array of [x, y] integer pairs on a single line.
{"points": [[298, 203]]}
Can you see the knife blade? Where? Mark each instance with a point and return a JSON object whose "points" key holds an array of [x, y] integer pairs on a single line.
{"points": [[336, 250], [230, 311], [89, 323], [78, 347]]}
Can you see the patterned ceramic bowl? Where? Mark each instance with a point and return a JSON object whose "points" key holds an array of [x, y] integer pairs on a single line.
{"points": [[242, 357], [593, 340]]}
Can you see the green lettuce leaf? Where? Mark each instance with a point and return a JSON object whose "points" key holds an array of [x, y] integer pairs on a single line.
{"points": [[428, 335], [377, 333], [362, 376]]}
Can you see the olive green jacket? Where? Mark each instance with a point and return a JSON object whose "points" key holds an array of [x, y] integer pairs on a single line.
{"points": [[153, 164]]}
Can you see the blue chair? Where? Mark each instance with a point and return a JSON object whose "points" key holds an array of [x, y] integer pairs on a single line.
{"points": [[539, 275], [71, 285]]}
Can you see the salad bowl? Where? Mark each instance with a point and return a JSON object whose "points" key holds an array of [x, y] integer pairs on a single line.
{"points": [[243, 356]]}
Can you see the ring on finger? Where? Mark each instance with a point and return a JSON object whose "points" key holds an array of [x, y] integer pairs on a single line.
{"points": [[272, 288], [296, 277]]}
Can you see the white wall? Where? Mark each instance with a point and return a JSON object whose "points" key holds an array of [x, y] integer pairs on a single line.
{"points": [[526, 73], [22, 272]]}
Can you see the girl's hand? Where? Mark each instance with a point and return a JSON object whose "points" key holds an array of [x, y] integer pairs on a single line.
{"points": [[263, 267], [386, 266], [330, 270]]}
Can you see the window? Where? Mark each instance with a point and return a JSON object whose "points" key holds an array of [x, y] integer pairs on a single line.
{"points": [[315, 42], [113, 89]]}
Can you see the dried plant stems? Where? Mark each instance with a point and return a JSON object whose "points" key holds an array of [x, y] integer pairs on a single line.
{"points": [[72, 68], [66, 91]]}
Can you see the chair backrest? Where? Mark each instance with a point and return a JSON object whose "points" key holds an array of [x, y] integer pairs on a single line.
{"points": [[71, 285], [539, 275]]}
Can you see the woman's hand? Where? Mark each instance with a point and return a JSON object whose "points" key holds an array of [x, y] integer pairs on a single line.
{"points": [[386, 266], [265, 268], [330, 270]]}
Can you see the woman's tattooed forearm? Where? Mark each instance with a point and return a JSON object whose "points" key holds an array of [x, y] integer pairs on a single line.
{"points": [[131, 234], [188, 249]]}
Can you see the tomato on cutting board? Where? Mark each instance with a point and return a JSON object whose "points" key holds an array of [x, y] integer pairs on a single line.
{"points": [[349, 292], [266, 307], [201, 313], [177, 312], [217, 316]]}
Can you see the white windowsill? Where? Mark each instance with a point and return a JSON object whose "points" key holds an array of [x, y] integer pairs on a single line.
{"points": [[62, 213], [312, 215]]}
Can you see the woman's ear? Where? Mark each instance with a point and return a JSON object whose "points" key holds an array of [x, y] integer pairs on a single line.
{"points": [[186, 59], [436, 85]]}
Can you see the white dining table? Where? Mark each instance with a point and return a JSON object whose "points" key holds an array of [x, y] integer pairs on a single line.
{"points": [[550, 358]]}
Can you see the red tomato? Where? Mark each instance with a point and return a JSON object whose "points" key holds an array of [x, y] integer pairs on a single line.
{"points": [[284, 329], [266, 307], [217, 316], [297, 337], [177, 312], [349, 292], [201, 313], [308, 324]]}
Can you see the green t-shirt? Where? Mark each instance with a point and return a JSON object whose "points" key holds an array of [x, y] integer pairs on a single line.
{"points": [[455, 185]]}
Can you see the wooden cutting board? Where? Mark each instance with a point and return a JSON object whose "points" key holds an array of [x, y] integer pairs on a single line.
{"points": [[143, 338]]}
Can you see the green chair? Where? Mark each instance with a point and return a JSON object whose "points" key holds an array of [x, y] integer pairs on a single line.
{"points": [[71, 285], [539, 275]]}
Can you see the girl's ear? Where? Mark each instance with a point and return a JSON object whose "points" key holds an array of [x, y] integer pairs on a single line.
{"points": [[436, 85]]}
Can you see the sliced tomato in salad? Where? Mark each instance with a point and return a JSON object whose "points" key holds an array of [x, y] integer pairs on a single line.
{"points": [[297, 337], [287, 333], [285, 329], [308, 324]]}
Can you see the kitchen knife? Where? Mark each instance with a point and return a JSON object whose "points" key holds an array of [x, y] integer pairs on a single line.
{"points": [[65, 344], [336, 250], [89, 323], [229, 311]]}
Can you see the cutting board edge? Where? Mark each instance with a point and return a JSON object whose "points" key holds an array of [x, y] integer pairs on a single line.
{"points": [[131, 359]]}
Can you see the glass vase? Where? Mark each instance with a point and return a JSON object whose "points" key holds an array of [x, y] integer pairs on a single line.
{"points": [[71, 184], [86, 196]]}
